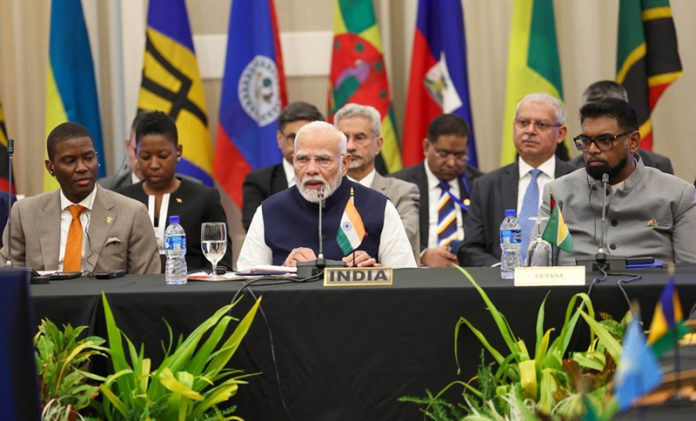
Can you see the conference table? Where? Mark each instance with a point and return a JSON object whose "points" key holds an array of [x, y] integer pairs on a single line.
{"points": [[346, 353]]}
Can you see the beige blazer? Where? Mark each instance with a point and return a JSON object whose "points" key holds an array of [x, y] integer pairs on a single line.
{"points": [[406, 199], [120, 234]]}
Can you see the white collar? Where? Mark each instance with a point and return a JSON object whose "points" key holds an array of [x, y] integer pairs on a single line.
{"points": [[87, 202], [289, 172], [548, 167], [433, 181], [367, 180]]}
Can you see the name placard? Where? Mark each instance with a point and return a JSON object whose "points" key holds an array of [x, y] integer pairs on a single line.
{"points": [[358, 277], [549, 276]]}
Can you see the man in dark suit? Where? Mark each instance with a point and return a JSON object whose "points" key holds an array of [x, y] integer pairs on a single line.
{"points": [[444, 182], [128, 173], [610, 89], [262, 183], [539, 128]]}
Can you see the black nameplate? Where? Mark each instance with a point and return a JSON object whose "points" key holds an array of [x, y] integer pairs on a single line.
{"points": [[354, 277]]}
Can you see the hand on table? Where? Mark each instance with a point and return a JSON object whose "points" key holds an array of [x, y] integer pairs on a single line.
{"points": [[360, 259], [300, 254], [438, 257]]}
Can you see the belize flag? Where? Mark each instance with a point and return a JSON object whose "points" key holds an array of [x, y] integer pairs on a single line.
{"points": [[253, 94], [439, 81]]}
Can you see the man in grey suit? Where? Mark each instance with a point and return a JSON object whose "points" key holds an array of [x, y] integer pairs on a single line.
{"points": [[443, 174], [539, 128], [649, 213], [610, 89], [80, 227], [362, 126]]}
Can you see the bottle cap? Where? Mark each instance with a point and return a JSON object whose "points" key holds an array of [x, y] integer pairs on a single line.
{"points": [[508, 213], [174, 219]]}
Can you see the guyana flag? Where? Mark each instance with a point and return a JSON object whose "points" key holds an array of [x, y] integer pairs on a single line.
{"points": [[647, 57], [667, 325], [556, 232], [533, 64], [358, 73]]}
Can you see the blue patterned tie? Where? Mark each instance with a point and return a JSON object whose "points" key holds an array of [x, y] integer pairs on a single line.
{"points": [[446, 217], [530, 208]]}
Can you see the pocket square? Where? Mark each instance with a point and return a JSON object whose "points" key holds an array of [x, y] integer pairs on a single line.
{"points": [[112, 240]]}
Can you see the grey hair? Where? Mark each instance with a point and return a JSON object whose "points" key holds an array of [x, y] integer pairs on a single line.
{"points": [[318, 126], [368, 112], [547, 99]]}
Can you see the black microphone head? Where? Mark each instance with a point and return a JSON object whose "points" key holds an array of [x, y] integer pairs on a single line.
{"points": [[10, 146]]}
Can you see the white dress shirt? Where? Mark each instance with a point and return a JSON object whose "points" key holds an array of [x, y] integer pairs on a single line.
{"points": [[548, 172], [66, 219], [289, 172], [367, 180], [394, 248], [434, 193]]}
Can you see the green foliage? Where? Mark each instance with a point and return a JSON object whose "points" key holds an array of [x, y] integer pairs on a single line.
{"points": [[551, 383], [62, 361], [188, 385]]}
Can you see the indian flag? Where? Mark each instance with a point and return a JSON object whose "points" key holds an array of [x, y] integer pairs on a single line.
{"points": [[556, 231], [352, 230]]}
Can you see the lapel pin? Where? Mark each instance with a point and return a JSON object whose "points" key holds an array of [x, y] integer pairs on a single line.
{"points": [[179, 200], [467, 202], [109, 219]]}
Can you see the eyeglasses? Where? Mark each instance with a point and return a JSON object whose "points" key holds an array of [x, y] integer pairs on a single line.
{"points": [[322, 161], [458, 156], [290, 137], [542, 126], [603, 142]]}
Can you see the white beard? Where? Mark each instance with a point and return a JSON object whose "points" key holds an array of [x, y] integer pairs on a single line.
{"points": [[317, 195]]}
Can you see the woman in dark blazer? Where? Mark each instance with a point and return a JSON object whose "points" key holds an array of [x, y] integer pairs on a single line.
{"points": [[164, 194]]}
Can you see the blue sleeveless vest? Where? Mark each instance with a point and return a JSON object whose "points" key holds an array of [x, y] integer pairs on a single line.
{"points": [[290, 221]]}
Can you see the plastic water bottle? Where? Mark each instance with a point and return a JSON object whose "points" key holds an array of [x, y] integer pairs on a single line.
{"points": [[175, 246], [510, 239]]}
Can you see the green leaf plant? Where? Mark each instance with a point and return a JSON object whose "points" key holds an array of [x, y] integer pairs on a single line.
{"points": [[550, 383], [189, 383], [62, 361]]}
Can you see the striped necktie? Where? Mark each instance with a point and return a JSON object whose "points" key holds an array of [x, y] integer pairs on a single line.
{"points": [[446, 216], [530, 208], [72, 261]]}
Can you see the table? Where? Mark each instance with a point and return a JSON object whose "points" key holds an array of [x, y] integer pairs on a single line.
{"points": [[344, 353]]}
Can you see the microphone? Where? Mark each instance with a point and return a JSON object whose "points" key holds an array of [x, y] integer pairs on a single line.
{"points": [[314, 268]]}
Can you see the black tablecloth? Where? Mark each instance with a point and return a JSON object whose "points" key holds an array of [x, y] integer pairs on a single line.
{"points": [[344, 353]]}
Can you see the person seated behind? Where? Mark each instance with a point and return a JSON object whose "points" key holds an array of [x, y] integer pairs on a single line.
{"points": [[362, 126], [158, 150], [538, 129], [128, 173], [80, 227], [444, 181], [649, 213], [260, 184], [610, 89], [284, 227]]}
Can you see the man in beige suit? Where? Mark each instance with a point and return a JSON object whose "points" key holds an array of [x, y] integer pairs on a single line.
{"points": [[362, 126], [81, 226]]}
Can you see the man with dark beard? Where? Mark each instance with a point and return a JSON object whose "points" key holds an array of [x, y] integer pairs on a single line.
{"points": [[649, 213], [284, 228]]}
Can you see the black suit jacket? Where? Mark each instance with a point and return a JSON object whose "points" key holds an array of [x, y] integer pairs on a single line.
{"points": [[650, 159], [258, 186], [491, 195], [195, 203], [416, 175]]}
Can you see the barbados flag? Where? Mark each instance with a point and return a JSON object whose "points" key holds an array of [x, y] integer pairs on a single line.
{"points": [[439, 79], [172, 84], [352, 230], [71, 90], [358, 73], [253, 94]]}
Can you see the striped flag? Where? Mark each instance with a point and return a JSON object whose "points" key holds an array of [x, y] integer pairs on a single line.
{"points": [[253, 94], [352, 230], [647, 57], [172, 84], [533, 64], [4, 158], [71, 89], [439, 79], [358, 73], [667, 325], [556, 232]]}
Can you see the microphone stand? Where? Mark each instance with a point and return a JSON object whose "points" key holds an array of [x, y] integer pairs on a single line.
{"points": [[316, 267]]}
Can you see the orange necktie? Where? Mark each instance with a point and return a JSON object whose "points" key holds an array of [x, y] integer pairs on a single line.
{"points": [[72, 261]]}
